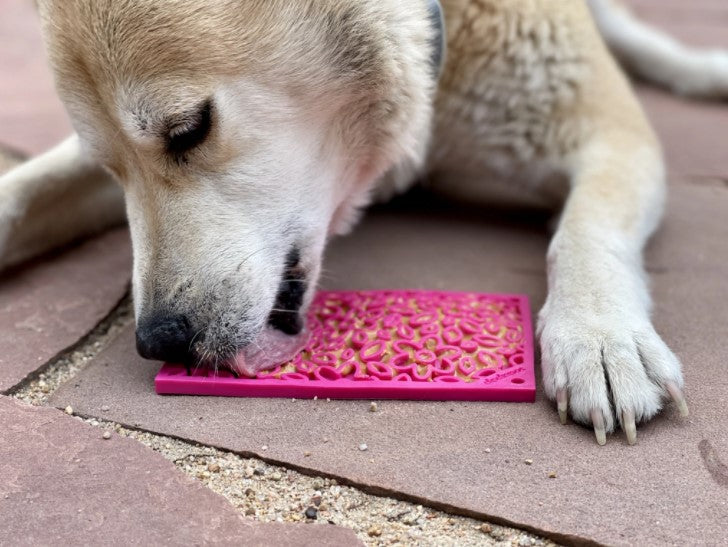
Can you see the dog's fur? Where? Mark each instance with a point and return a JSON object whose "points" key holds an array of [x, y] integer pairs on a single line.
{"points": [[318, 105]]}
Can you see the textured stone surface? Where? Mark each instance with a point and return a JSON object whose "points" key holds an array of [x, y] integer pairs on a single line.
{"points": [[678, 122], [48, 305], [62, 484], [32, 118], [670, 486]]}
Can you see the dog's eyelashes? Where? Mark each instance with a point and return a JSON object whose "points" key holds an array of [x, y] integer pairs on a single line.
{"points": [[189, 135]]}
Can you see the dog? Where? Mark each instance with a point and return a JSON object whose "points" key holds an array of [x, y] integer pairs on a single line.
{"points": [[238, 136]]}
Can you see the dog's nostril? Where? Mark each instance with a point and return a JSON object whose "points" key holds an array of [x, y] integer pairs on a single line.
{"points": [[165, 338]]}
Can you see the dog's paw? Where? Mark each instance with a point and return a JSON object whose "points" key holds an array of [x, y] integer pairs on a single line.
{"points": [[606, 371]]}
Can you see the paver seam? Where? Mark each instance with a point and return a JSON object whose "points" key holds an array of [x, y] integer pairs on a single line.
{"points": [[405, 515]]}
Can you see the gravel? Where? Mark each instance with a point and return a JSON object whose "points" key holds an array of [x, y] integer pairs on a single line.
{"points": [[270, 493]]}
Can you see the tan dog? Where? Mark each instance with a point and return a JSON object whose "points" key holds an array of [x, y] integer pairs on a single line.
{"points": [[245, 133]]}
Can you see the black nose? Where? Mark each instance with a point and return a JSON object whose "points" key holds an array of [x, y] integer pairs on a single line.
{"points": [[165, 338]]}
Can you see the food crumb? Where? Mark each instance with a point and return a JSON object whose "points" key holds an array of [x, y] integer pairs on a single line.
{"points": [[373, 406], [69, 410], [486, 528], [363, 447], [307, 454], [315, 397], [106, 435], [552, 474], [264, 447], [213, 468], [105, 408], [529, 461], [487, 450]]}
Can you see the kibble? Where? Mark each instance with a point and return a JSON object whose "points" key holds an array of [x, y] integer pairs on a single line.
{"points": [[69, 410], [276, 476]]}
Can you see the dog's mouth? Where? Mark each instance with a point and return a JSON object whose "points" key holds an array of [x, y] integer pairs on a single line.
{"points": [[285, 335]]}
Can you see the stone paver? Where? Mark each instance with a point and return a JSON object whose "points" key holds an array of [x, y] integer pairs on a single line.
{"points": [[61, 483], [669, 487], [703, 125], [48, 305]]}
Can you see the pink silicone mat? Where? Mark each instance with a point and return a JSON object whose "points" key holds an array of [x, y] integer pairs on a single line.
{"points": [[393, 345]]}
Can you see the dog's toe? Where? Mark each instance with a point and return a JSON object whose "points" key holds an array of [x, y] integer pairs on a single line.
{"points": [[608, 374]]}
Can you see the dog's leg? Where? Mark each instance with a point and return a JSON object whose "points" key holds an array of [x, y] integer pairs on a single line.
{"points": [[659, 58], [53, 199], [601, 355]]}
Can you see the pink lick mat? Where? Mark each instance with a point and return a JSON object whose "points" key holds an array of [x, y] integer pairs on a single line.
{"points": [[393, 345]]}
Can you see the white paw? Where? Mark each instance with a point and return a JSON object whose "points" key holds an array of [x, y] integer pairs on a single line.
{"points": [[609, 369]]}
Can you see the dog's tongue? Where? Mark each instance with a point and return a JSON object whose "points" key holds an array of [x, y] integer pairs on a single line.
{"points": [[271, 348]]}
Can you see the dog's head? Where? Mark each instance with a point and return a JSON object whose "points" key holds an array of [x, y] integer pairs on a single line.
{"points": [[244, 134]]}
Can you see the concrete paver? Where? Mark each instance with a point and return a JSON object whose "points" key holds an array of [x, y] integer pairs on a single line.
{"points": [[61, 483]]}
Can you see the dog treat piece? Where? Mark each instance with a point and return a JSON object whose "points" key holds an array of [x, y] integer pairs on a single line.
{"points": [[393, 345]]}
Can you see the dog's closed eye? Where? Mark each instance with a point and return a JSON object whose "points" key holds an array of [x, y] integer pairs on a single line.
{"points": [[191, 133]]}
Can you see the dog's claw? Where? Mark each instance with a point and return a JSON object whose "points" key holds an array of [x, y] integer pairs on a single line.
{"points": [[677, 396], [629, 426], [562, 405], [599, 427]]}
